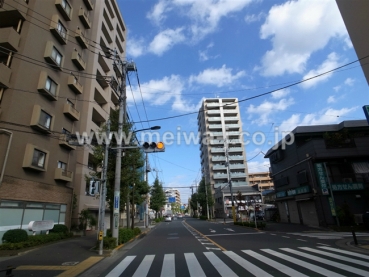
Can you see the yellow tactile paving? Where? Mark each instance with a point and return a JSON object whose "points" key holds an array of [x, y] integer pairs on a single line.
{"points": [[69, 270]]}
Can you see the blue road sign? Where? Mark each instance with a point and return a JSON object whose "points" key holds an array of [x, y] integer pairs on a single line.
{"points": [[172, 199]]}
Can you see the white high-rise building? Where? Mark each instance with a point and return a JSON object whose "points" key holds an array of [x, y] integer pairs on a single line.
{"points": [[220, 126]]}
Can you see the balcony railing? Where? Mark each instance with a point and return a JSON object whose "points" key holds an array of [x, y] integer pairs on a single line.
{"points": [[63, 142], [78, 61], [70, 111], [83, 16], [63, 175], [80, 37], [75, 85]]}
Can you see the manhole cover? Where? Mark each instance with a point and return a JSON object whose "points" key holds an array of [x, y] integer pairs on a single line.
{"points": [[70, 263]]}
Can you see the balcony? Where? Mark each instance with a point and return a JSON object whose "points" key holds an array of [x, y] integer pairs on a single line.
{"points": [[60, 34], [81, 38], [9, 39], [235, 149], [217, 142], [89, 5], [217, 150], [71, 112], [83, 16], [218, 176], [63, 142], [212, 105], [218, 158], [67, 11], [11, 13], [213, 112], [232, 126], [230, 112], [238, 175], [5, 73], [101, 80], [237, 166], [235, 157], [75, 85], [215, 118], [219, 167], [102, 62], [231, 118], [78, 61], [63, 175], [215, 126]]}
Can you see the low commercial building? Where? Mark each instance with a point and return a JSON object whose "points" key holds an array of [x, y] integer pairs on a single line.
{"points": [[319, 172]]}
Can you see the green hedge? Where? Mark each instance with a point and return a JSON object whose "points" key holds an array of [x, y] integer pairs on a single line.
{"points": [[35, 241], [59, 228], [260, 224], [15, 236]]}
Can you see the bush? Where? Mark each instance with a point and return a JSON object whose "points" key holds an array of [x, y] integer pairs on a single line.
{"points": [[109, 243], [59, 228], [15, 235], [125, 235], [136, 231], [159, 219]]}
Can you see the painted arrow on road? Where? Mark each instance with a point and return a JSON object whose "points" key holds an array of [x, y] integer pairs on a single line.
{"points": [[211, 230], [229, 229]]}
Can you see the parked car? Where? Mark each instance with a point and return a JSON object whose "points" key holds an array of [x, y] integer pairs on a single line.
{"points": [[168, 218]]}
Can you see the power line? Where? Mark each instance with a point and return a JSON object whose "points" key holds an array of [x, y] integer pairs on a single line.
{"points": [[260, 95]]}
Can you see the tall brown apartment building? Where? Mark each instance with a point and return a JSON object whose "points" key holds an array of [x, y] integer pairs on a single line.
{"points": [[57, 77]]}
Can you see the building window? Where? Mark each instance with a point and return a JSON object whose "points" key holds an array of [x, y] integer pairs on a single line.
{"points": [[56, 56], [51, 86], [39, 158], [45, 119], [62, 30], [66, 6], [62, 165]]}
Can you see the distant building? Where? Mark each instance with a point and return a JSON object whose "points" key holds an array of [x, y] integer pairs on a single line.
{"points": [[262, 179], [172, 196], [323, 169]]}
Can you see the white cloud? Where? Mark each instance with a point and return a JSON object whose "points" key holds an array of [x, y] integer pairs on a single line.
{"points": [[265, 109], [217, 76], [165, 91], [331, 99], [157, 14], [135, 47], [330, 63], [327, 116], [254, 167], [349, 82], [165, 40], [280, 93], [204, 56], [297, 29], [254, 17]]}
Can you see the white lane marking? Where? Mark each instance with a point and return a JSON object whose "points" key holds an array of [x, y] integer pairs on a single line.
{"points": [[366, 257], [323, 244], [301, 239], [144, 267], [281, 267], [229, 229], [219, 265], [273, 234], [338, 257], [193, 265], [247, 265], [285, 237], [328, 262], [235, 234], [309, 266], [168, 268], [208, 248], [121, 266]]}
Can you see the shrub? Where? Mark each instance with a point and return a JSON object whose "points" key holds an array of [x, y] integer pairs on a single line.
{"points": [[109, 233], [15, 235], [59, 228], [125, 235], [136, 231], [109, 243]]}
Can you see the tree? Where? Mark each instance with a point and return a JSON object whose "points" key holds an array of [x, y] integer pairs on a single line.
{"points": [[193, 202], [157, 200], [176, 207], [133, 160], [204, 189]]}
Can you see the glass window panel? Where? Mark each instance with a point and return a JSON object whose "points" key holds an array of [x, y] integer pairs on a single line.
{"points": [[38, 158], [51, 215], [35, 205], [10, 218], [45, 119], [11, 204], [51, 86], [31, 215], [63, 208], [53, 206], [62, 218]]}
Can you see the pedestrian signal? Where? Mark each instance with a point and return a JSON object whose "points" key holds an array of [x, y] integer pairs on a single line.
{"points": [[153, 147]]}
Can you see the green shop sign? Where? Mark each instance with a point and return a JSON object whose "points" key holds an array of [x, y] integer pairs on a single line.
{"points": [[347, 186], [291, 192], [322, 177]]}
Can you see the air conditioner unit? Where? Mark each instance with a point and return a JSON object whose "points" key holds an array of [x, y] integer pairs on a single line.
{"points": [[347, 180]]}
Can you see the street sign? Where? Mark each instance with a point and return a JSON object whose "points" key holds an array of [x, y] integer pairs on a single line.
{"points": [[171, 199]]}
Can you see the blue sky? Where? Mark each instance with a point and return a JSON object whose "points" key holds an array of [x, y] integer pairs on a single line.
{"points": [[188, 50]]}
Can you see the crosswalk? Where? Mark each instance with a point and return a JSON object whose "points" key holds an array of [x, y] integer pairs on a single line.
{"points": [[298, 262], [328, 235]]}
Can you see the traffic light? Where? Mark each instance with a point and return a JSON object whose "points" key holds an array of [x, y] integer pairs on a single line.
{"points": [[153, 147]]}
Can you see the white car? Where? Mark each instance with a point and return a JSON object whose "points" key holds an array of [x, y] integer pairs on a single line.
{"points": [[168, 218]]}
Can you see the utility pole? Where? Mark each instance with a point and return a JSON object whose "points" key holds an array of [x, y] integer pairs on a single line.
{"points": [[103, 191], [229, 178], [126, 66], [147, 195]]}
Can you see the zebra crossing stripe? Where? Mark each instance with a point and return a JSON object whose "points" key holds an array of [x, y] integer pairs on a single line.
{"points": [[219, 265], [247, 265], [309, 266], [193, 265], [338, 257], [168, 268], [328, 262], [366, 257], [144, 267], [121, 266], [284, 269]]}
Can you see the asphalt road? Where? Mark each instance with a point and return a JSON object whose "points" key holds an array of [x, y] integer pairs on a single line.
{"points": [[199, 248]]}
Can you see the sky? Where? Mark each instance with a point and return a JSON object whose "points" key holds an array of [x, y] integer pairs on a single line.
{"points": [[270, 54]]}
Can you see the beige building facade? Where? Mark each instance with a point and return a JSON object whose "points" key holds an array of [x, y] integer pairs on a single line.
{"points": [[262, 179], [57, 77]]}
